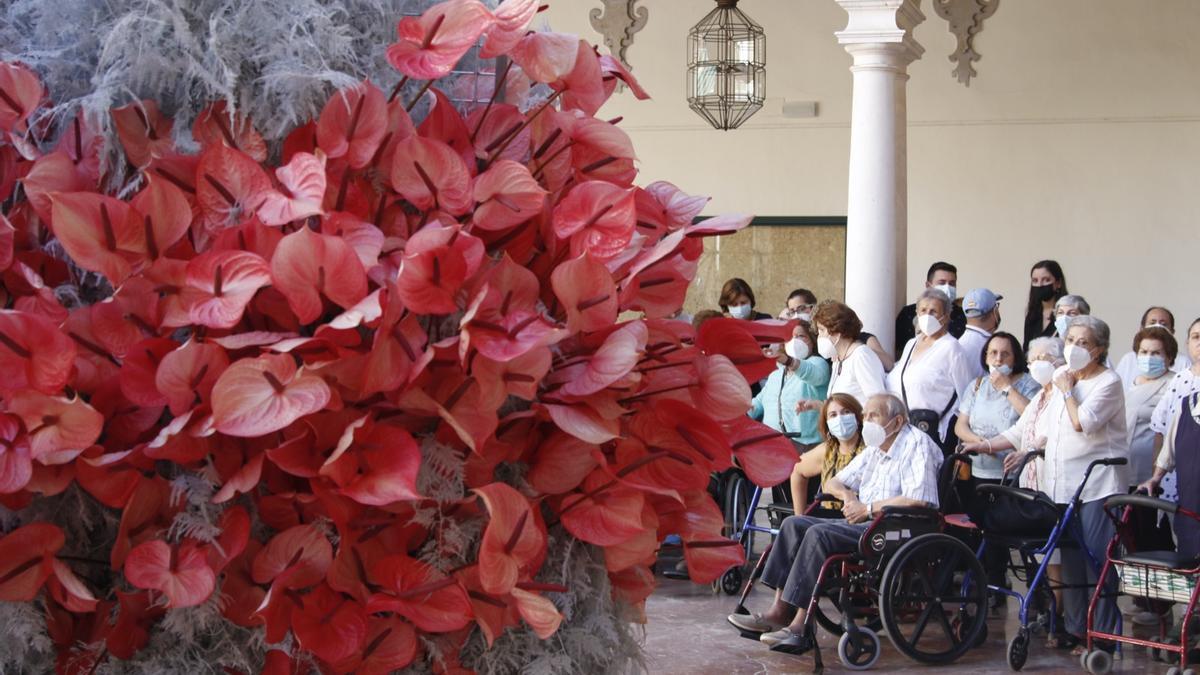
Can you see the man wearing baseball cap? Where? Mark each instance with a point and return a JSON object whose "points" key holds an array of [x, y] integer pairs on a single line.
{"points": [[982, 308]]}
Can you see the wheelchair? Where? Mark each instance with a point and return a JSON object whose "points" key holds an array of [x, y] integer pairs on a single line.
{"points": [[926, 588], [1035, 555]]}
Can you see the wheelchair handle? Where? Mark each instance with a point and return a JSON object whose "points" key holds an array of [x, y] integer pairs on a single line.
{"points": [[1011, 491], [1142, 500]]}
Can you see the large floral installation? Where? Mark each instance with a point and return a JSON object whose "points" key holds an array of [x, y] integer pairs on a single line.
{"points": [[388, 395]]}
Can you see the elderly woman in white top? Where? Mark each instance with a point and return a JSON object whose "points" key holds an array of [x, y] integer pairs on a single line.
{"points": [[1160, 317], [857, 370], [933, 372], [1083, 420], [1066, 308]]}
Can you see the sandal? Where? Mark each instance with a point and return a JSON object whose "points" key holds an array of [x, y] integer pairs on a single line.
{"points": [[752, 623], [795, 644]]}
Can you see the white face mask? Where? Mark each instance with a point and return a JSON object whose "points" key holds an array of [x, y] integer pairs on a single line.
{"points": [[740, 311], [1003, 369], [1061, 324], [805, 317], [1042, 372], [928, 324], [797, 349], [950, 291], [874, 435], [1077, 357], [826, 347], [842, 427]]}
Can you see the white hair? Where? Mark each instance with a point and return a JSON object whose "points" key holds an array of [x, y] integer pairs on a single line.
{"points": [[935, 294], [1047, 345]]}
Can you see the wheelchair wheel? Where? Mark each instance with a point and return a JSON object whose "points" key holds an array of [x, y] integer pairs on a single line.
{"points": [[858, 651], [1018, 650], [930, 583], [739, 494], [828, 610], [730, 582]]}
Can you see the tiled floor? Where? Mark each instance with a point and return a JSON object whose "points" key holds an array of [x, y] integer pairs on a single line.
{"points": [[687, 633]]}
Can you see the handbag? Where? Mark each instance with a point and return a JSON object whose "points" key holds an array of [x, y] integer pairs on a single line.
{"points": [[923, 418], [1020, 517]]}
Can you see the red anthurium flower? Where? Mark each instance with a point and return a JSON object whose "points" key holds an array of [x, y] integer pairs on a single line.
{"points": [[766, 455], [182, 574], [7, 237], [678, 208], [165, 215], [68, 590], [230, 186], [583, 88], [376, 465], [110, 477], [353, 124], [307, 266], [657, 469], [598, 217], [722, 392], [437, 262], [507, 195], [546, 56], [434, 602], [390, 645], [614, 70], [302, 189], [444, 123], [59, 428], [518, 377], [254, 397], [723, 224], [16, 462], [33, 353], [49, 174], [429, 46], [215, 125], [136, 616], [512, 16], [245, 595], [219, 285], [20, 94], [431, 176], [561, 463], [148, 510], [541, 614], [399, 350], [735, 342], [708, 559], [633, 585], [620, 352], [585, 288], [511, 540], [502, 329], [584, 421], [600, 150], [139, 368], [366, 239], [100, 233], [686, 431], [330, 625], [26, 560], [492, 132], [640, 550], [143, 131], [279, 662], [299, 556], [242, 481], [186, 376], [605, 513]]}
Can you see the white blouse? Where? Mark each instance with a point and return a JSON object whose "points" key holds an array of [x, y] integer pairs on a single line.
{"points": [[935, 376], [860, 374], [1101, 404], [1140, 401]]}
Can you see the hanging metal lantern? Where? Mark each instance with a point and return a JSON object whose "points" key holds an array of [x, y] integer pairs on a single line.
{"points": [[726, 66]]}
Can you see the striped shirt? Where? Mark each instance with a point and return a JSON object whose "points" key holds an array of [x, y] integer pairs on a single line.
{"points": [[908, 469]]}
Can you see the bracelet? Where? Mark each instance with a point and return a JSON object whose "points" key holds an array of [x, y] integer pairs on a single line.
{"points": [[1068, 394], [988, 441], [870, 509]]}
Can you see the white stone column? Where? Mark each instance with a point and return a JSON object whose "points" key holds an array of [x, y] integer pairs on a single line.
{"points": [[879, 37]]}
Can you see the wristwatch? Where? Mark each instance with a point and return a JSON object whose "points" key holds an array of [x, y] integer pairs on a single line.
{"points": [[1007, 390], [1068, 394]]}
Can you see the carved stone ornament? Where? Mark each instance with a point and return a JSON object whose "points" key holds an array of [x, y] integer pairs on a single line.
{"points": [[966, 20], [617, 22]]}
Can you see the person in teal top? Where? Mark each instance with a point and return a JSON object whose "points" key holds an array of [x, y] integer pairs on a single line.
{"points": [[791, 398]]}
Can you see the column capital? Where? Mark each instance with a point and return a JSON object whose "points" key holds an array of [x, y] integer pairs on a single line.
{"points": [[882, 29]]}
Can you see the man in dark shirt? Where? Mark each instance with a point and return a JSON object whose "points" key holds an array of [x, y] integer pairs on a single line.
{"points": [[944, 277]]}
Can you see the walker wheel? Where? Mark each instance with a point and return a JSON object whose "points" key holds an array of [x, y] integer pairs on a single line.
{"points": [[858, 649], [1018, 650], [1189, 671], [1173, 670], [1098, 662]]}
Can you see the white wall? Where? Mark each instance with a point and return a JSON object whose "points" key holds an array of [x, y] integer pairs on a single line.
{"points": [[1079, 140]]}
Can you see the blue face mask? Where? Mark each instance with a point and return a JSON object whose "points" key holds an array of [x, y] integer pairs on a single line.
{"points": [[842, 427], [1004, 369], [1151, 366], [1061, 324]]}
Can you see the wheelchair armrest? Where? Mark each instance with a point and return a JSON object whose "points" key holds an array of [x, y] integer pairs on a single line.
{"points": [[910, 511], [1009, 490], [1141, 500]]}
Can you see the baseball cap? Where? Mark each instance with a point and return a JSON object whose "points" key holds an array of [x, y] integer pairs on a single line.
{"points": [[979, 301]]}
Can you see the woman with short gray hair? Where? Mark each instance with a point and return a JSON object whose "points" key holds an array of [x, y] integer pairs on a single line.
{"points": [[1080, 418], [933, 372], [1066, 308]]}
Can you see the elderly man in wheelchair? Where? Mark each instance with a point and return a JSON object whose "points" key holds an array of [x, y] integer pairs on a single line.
{"points": [[897, 474]]}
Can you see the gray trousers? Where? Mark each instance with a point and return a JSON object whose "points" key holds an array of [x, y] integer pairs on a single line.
{"points": [[803, 544], [1097, 531]]}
